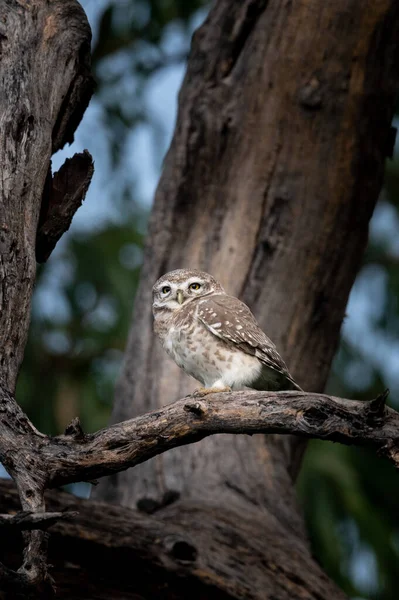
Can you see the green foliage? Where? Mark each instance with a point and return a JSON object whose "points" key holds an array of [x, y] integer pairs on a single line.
{"points": [[84, 297]]}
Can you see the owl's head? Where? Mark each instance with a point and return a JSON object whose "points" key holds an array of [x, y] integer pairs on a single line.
{"points": [[176, 288]]}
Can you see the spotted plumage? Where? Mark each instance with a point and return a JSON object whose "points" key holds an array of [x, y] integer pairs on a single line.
{"points": [[214, 337]]}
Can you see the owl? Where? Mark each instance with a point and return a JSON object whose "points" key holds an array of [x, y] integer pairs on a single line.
{"points": [[214, 337]]}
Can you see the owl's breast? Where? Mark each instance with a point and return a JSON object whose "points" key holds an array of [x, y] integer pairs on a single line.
{"points": [[205, 356], [180, 342], [188, 344]]}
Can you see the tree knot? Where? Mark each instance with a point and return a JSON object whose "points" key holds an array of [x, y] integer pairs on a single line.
{"points": [[180, 549], [375, 409], [196, 408], [310, 95], [75, 430]]}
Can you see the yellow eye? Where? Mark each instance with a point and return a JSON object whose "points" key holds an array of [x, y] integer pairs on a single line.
{"points": [[195, 286], [165, 289]]}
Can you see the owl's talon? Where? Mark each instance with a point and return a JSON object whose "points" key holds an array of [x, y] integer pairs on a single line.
{"points": [[201, 392]]}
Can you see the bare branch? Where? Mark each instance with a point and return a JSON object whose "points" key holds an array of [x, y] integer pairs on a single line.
{"points": [[191, 419], [26, 521], [37, 462], [76, 456]]}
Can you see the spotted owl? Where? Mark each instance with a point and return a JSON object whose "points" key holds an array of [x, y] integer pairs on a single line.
{"points": [[214, 337]]}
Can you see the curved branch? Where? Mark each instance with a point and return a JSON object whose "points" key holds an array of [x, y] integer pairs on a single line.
{"points": [[76, 456], [71, 458]]}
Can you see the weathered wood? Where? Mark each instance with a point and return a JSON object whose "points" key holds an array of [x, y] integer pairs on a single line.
{"points": [[38, 462], [64, 194], [76, 456], [71, 458], [65, 459], [44, 61], [113, 552], [25, 521], [46, 85]]}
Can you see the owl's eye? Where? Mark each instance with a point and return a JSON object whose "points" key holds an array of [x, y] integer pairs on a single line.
{"points": [[166, 289], [195, 286]]}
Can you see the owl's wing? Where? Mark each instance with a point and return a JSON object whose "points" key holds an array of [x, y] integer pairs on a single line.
{"points": [[231, 320]]}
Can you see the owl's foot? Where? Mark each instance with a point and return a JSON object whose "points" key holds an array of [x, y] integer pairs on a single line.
{"points": [[201, 392]]}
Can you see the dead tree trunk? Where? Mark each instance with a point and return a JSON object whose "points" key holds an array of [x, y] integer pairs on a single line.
{"points": [[271, 179], [45, 89], [270, 182]]}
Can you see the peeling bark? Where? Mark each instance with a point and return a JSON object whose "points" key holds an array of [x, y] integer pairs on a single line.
{"points": [[64, 194]]}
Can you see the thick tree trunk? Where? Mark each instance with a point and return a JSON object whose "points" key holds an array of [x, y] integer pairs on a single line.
{"points": [[270, 182], [45, 88], [45, 83]]}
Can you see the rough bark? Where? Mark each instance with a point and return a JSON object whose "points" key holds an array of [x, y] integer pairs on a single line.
{"points": [[271, 179], [64, 194], [26, 521], [153, 557], [46, 85], [76, 456], [37, 462]]}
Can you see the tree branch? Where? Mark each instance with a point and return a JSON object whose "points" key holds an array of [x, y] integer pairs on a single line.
{"points": [[191, 419], [37, 462], [163, 553], [76, 456], [26, 521]]}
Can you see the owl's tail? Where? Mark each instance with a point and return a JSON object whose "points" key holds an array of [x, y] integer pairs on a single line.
{"points": [[293, 384]]}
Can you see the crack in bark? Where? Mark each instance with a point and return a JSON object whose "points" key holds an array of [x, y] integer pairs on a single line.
{"points": [[241, 31]]}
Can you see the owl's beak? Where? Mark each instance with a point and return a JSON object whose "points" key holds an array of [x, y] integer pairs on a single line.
{"points": [[180, 296]]}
